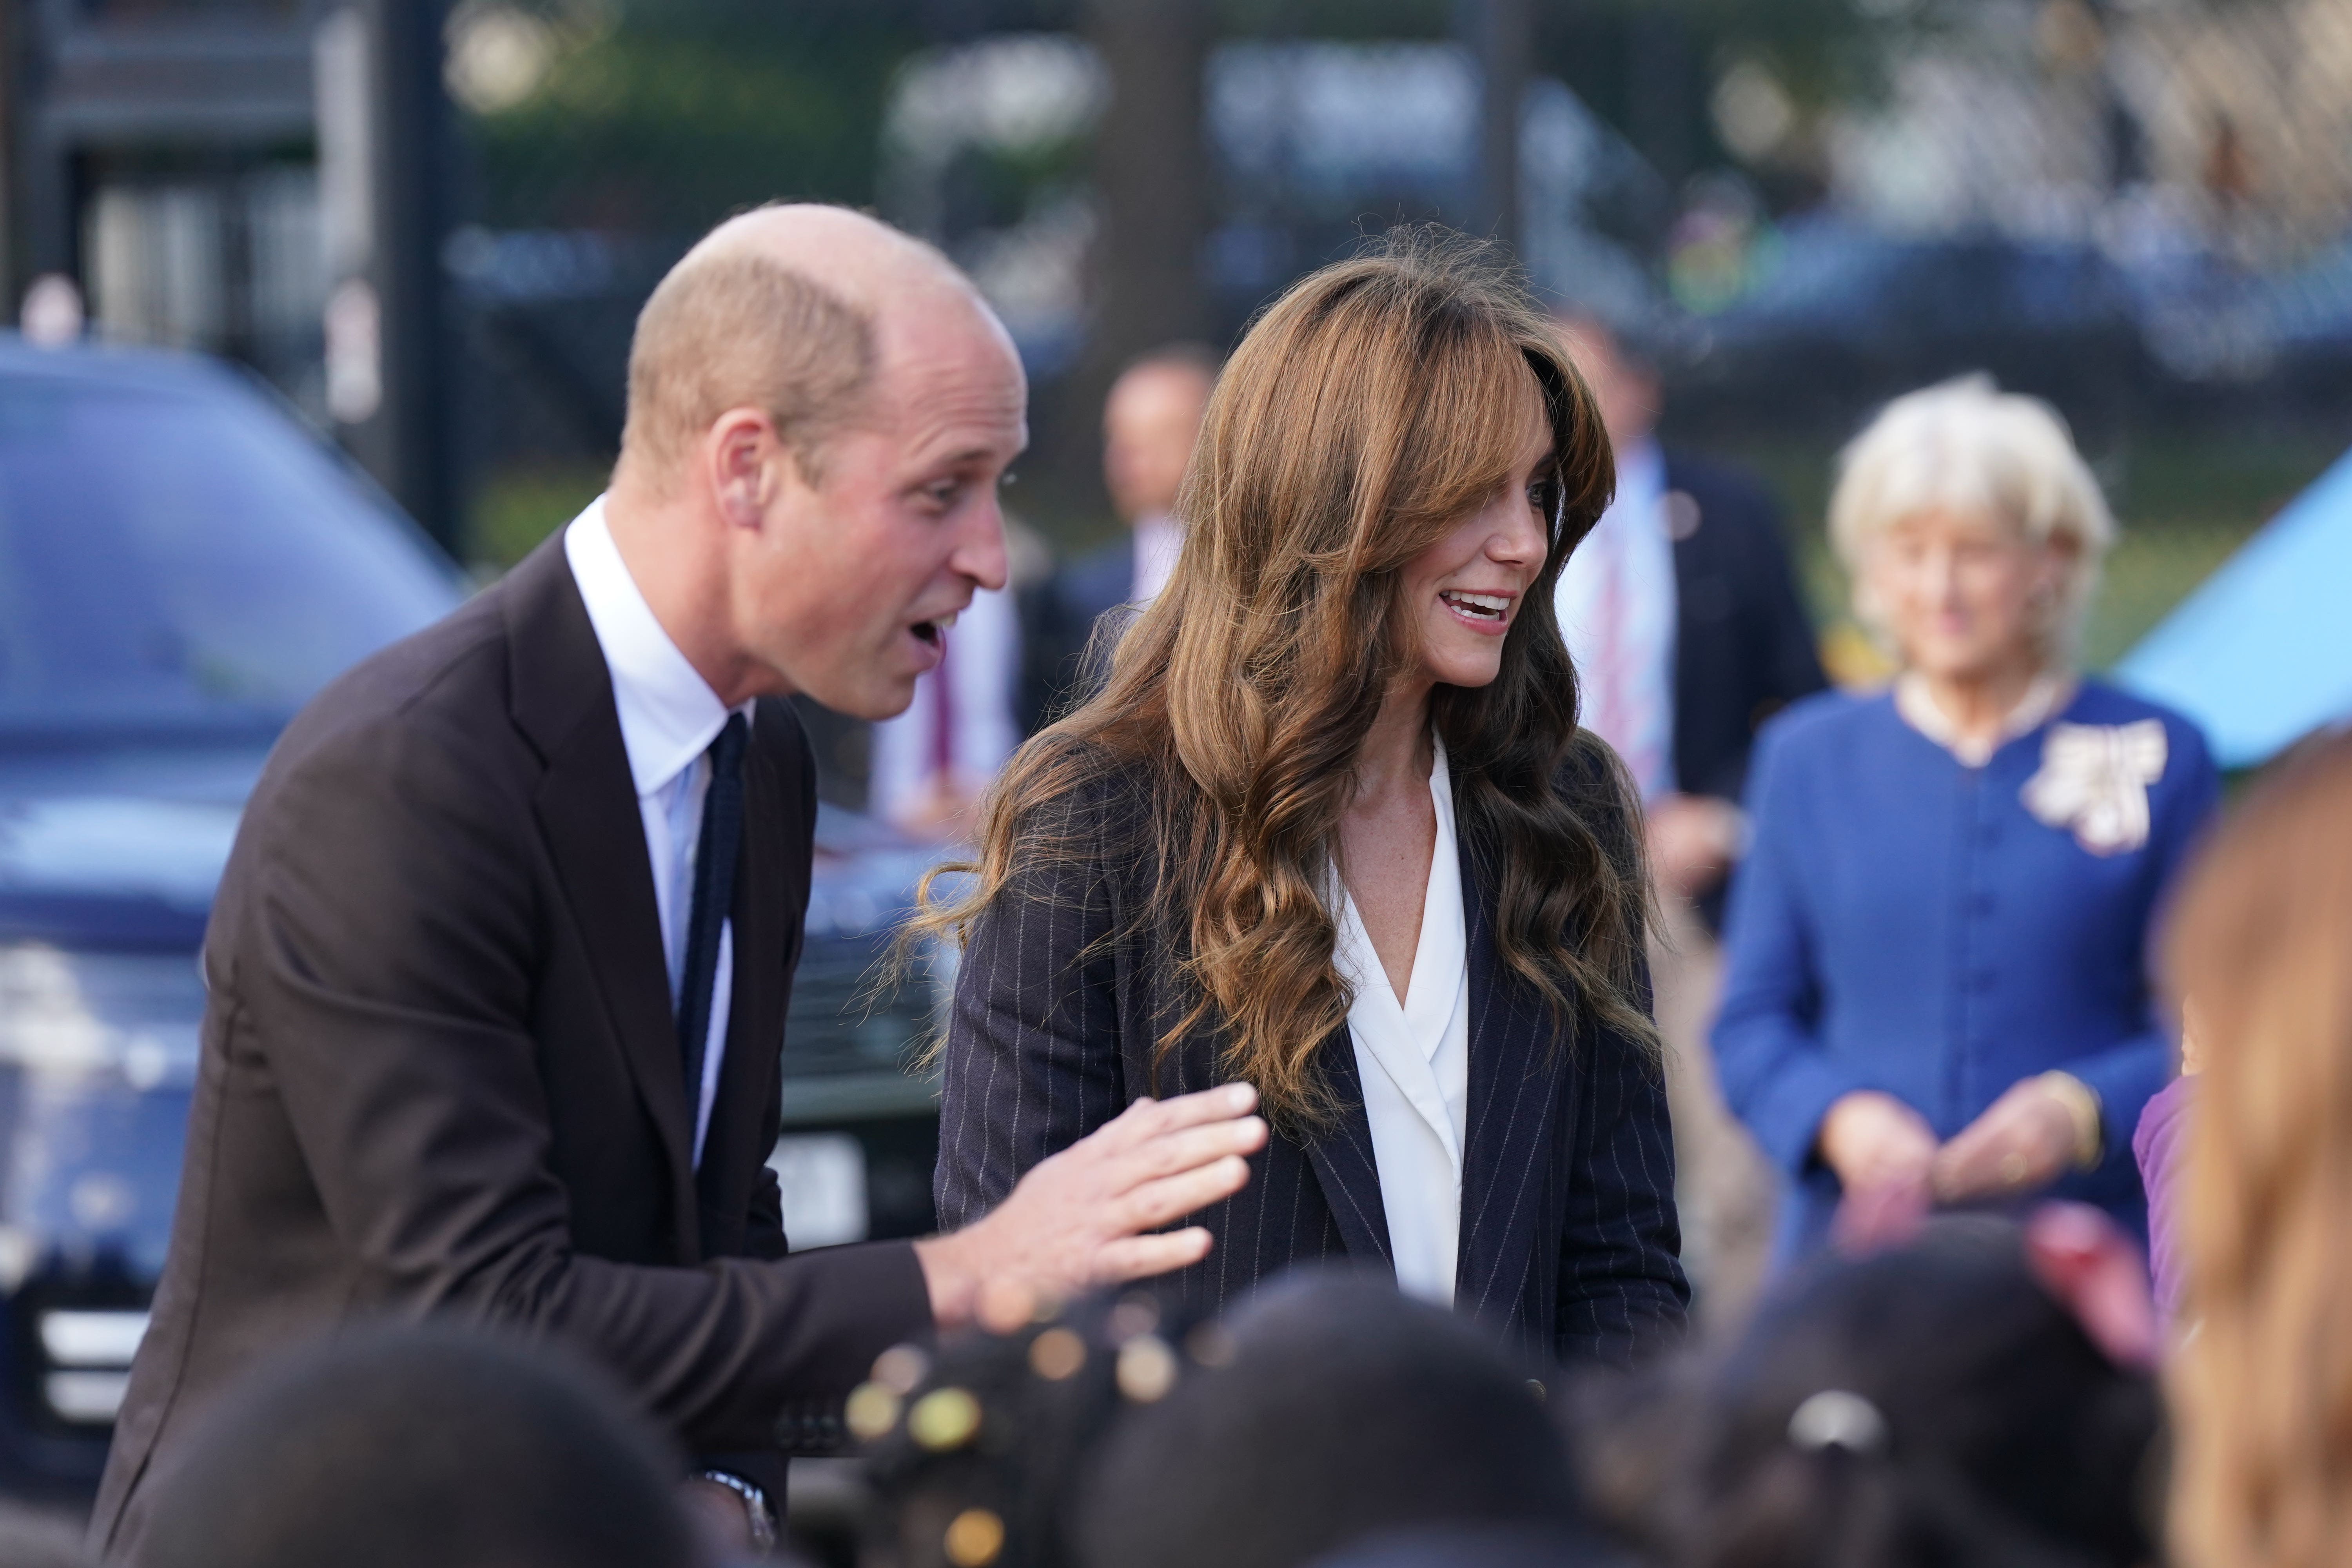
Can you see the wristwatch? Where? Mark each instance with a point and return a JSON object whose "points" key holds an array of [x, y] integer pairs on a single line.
{"points": [[758, 1515]]}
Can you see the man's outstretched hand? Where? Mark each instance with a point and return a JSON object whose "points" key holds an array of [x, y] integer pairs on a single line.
{"points": [[1086, 1216]]}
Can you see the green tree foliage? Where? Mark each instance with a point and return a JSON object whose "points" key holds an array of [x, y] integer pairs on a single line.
{"points": [[662, 116]]}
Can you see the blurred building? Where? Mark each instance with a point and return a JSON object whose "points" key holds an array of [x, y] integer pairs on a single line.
{"points": [[2175, 173], [258, 179], [1309, 143]]}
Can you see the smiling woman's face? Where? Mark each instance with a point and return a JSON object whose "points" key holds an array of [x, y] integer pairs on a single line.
{"points": [[1466, 590]]}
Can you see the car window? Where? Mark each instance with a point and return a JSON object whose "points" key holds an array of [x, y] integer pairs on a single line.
{"points": [[186, 561]]}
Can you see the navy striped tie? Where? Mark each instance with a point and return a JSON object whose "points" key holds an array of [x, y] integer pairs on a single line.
{"points": [[714, 889]]}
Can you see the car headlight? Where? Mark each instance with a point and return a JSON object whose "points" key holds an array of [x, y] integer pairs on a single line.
{"points": [[83, 1015], [89, 1354]]}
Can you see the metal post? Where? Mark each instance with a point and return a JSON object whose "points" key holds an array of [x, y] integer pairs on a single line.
{"points": [[1501, 32], [385, 165], [1151, 174]]}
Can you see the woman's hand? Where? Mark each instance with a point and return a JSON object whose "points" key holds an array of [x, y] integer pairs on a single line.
{"points": [[1882, 1152], [1693, 839], [1873, 1139], [2023, 1141]]}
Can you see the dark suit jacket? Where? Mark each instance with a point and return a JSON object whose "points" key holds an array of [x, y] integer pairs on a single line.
{"points": [[1569, 1238], [1058, 624], [1744, 648], [440, 1074]]}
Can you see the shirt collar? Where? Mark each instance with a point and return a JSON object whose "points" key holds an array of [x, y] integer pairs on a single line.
{"points": [[1916, 705], [668, 713], [1159, 540]]}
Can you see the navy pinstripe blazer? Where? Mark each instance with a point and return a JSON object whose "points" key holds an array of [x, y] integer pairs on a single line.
{"points": [[1569, 1238]]}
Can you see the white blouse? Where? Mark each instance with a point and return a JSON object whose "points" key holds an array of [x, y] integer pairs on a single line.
{"points": [[1414, 1060]]}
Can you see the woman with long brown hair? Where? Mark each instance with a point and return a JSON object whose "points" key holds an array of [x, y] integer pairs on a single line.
{"points": [[1330, 826], [2261, 949]]}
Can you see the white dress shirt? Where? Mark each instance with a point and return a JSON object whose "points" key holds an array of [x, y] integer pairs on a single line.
{"points": [[1159, 540], [1413, 1057], [670, 716], [1616, 602], [969, 726]]}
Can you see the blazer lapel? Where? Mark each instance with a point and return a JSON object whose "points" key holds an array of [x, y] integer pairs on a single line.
{"points": [[1515, 1072], [1341, 1152], [587, 811]]}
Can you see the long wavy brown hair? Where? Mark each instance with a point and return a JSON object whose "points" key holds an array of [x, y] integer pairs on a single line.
{"points": [[2261, 951], [1366, 413]]}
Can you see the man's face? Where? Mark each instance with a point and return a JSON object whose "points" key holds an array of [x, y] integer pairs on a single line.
{"points": [[1626, 390], [1149, 425], [842, 588]]}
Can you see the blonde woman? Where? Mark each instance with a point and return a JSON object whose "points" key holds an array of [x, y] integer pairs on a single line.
{"points": [[2262, 1386], [1936, 983], [1330, 828]]}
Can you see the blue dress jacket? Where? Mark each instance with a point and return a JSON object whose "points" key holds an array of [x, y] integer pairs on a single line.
{"points": [[1907, 923]]}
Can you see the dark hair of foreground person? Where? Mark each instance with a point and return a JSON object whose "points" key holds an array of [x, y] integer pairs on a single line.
{"points": [[1342, 1410], [1934, 1405], [1327, 1415], [400, 1448]]}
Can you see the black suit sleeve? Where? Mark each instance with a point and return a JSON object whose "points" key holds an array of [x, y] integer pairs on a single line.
{"points": [[388, 997], [1032, 1057], [1789, 647], [1746, 646]]}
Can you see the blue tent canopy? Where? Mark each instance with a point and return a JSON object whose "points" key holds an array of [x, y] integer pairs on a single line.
{"points": [[2261, 654]]}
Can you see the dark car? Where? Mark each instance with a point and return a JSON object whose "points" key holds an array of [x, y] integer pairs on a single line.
{"points": [[181, 566], [1843, 318]]}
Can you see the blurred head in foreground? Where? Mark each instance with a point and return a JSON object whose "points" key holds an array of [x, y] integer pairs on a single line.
{"points": [[1973, 530], [397, 1449], [2261, 947], [1343, 1410], [1150, 421], [1936, 1406], [975, 1451]]}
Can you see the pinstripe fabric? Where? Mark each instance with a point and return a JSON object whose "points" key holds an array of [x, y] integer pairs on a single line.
{"points": [[1568, 1233]]}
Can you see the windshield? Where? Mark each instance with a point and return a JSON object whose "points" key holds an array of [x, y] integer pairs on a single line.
{"points": [[185, 561]]}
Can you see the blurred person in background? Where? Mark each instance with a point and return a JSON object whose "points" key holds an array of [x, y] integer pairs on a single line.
{"points": [[500, 966], [1682, 614], [409, 1447], [1937, 965], [1150, 422], [931, 764], [1331, 827], [1335, 1413], [2262, 1381], [1977, 1398]]}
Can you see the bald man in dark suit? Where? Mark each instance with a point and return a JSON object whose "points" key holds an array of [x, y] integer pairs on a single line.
{"points": [[499, 964]]}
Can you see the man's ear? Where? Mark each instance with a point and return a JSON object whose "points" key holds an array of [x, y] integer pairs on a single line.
{"points": [[744, 464]]}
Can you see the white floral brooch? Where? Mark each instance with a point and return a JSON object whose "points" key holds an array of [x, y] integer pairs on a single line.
{"points": [[2094, 783]]}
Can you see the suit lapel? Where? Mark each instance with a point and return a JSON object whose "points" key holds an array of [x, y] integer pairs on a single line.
{"points": [[1515, 1072], [587, 812], [1341, 1152]]}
